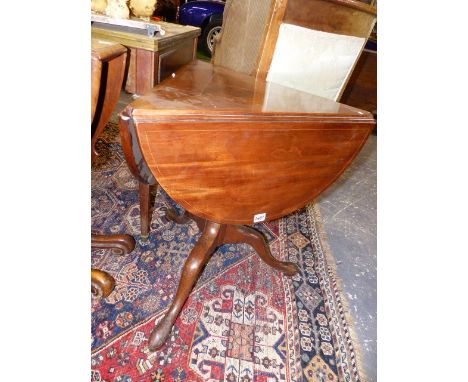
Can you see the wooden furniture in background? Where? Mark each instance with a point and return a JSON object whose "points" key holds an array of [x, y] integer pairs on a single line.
{"points": [[107, 70], [361, 90], [313, 45], [151, 59], [238, 148]]}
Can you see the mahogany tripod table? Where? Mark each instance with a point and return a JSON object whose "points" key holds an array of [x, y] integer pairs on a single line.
{"points": [[233, 150], [107, 71]]}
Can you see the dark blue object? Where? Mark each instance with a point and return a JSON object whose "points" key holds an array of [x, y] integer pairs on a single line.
{"points": [[371, 45], [196, 13], [208, 15]]}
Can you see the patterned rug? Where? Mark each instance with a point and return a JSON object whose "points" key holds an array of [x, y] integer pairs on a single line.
{"points": [[243, 321]]}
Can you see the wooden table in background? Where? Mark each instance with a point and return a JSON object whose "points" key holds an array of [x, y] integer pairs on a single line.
{"points": [[152, 59]]}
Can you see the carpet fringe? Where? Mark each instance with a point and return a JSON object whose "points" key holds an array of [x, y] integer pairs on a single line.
{"points": [[313, 209]]}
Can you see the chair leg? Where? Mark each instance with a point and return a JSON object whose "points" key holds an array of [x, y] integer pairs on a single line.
{"points": [[173, 216], [193, 267], [145, 210], [102, 283], [249, 235], [120, 244]]}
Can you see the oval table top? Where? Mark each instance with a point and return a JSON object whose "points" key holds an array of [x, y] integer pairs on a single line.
{"points": [[233, 150]]}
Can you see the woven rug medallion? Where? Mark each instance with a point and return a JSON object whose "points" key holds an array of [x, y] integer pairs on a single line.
{"points": [[243, 321]]}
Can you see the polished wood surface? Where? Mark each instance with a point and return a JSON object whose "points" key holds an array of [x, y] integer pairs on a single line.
{"points": [[361, 90], [270, 148], [142, 73], [105, 50], [151, 59], [96, 69], [202, 87], [107, 71], [271, 36], [147, 68], [102, 283], [174, 34], [119, 244], [101, 52], [145, 210], [233, 150], [351, 18]]}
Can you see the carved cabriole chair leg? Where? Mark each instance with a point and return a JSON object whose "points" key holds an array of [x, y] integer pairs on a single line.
{"points": [[191, 271], [244, 234], [119, 244], [145, 210], [102, 283]]}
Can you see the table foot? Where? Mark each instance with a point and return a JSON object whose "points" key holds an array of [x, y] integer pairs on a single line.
{"points": [[193, 267]]}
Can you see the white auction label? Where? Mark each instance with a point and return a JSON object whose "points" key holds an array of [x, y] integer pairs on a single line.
{"points": [[259, 218]]}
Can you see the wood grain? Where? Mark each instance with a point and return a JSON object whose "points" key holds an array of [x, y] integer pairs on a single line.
{"points": [[230, 147], [271, 36], [265, 158], [102, 283], [152, 58], [361, 91], [351, 18], [174, 34], [107, 71]]}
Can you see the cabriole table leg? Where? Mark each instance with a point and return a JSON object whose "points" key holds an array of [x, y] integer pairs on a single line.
{"points": [[244, 234], [193, 267]]}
